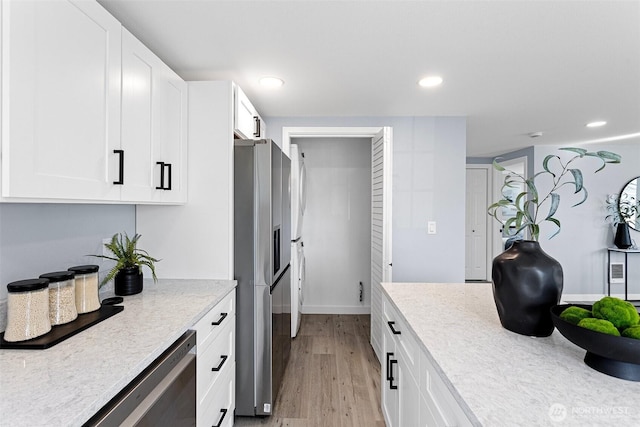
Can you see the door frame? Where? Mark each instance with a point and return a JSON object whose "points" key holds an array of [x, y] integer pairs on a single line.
{"points": [[345, 132], [498, 180], [490, 222]]}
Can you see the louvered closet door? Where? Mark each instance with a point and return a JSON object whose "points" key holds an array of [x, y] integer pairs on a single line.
{"points": [[381, 164]]}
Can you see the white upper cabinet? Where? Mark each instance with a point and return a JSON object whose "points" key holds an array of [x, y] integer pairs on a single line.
{"points": [[247, 122], [61, 100], [89, 114], [154, 132]]}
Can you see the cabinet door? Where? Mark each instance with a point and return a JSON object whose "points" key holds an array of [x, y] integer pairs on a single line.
{"points": [[408, 392], [139, 68], [388, 381], [170, 137], [154, 106], [61, 100], [246, 119]]}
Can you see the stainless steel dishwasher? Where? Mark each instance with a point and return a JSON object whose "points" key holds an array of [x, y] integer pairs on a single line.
{"points": [[164, 394]]}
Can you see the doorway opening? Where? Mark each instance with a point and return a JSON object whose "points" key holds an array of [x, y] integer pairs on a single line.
{"points": [[378, 253]]}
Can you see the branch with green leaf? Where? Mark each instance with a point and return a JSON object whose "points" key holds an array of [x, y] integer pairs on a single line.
{"points": [[126, 255], [529, 203]]}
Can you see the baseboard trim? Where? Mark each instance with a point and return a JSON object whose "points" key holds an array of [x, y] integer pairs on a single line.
{"points": [[326, 309]]}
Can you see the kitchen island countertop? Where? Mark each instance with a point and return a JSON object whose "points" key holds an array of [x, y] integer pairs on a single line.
{"points": [[506, 379], [68, 383]]}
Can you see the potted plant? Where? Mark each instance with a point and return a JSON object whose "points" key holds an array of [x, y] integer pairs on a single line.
{"points": [[526, 281], [624, 209], [126, 273]]}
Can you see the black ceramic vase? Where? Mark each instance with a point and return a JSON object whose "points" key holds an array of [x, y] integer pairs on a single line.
{"points": [[623, 238], [526, 284], [128, 281]]}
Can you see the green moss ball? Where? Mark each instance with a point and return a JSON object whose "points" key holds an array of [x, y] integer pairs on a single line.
{"points": [[619, 312], [632, 332], [575, 314], [599, 325]]}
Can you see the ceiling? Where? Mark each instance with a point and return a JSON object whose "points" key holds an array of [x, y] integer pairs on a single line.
{"points": [[512, 67]]}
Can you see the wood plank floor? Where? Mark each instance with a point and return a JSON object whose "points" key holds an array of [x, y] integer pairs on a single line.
{"points": [[333, 377]]}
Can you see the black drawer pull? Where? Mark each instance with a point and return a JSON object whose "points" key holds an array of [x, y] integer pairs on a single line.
{"points": [[389, 355], [161, 186], [391, 323], [391, 386], [223, 412], [168, 165], [222, 317], [120, 154], [256, 126], [217, 368]]}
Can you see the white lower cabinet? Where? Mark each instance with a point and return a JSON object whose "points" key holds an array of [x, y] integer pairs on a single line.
{"points": [[215, 352], [413, 393]]}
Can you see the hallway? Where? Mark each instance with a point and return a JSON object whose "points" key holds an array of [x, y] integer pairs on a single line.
{"points": [[333, 377]]}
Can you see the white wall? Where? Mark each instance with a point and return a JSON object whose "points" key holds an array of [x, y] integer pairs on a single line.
{"points": [[581, 245], [42, 238], [428, 185], [337, 224]]}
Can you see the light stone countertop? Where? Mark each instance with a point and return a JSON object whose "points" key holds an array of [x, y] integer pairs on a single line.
{"points": [[68, 383], [506, 379]]}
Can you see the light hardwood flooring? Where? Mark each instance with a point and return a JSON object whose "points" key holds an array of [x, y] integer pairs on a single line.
{"points": [[333, 377]]}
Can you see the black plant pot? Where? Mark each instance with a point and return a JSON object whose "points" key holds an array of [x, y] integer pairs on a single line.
{"points": [[623, 238], [128, 281], [526, 284]]}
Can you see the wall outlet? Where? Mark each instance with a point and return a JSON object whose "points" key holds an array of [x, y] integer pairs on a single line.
{"points": [[431, 227]]}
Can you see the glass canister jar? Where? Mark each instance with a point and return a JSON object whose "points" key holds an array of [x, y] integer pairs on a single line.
{"points": [[87, 298], [27, 310], [62, 297]]}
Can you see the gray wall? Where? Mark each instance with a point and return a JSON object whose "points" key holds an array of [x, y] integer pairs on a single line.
{"points": [[428, 185], [581, 245], [41, 238]]}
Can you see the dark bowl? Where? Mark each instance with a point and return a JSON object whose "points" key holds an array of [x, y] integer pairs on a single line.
{"points": [[611, 355]]}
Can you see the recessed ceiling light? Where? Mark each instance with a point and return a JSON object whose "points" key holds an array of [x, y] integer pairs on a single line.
{"points": [[430, 81], [596, 124], [271, 82]]}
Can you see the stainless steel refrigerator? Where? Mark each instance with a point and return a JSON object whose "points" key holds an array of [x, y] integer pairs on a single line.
{"points": [[262, 254]]}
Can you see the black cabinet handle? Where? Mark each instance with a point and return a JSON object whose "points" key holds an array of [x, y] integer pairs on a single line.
{"points": [[391, 363], [223, 412], [161, 186], [217, 368], [389, 355], [391, 323], [120, 154], [256, 126], [222, 317], [168, 165]]}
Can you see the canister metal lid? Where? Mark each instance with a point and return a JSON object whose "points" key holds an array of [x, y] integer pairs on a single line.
{"points": [[28, 285], [58, 276], [84, 269]]}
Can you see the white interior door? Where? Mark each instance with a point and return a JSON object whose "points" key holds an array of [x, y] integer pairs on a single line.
{"points": [[381, 265], [476, 224]]}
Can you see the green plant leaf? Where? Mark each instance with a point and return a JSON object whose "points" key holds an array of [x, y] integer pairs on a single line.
{"points": [[532, 190], [556, 222], [580, 151], [545, 163], [534, 230], [555, 202], [497, 166], [577, 179], [586, 194]]}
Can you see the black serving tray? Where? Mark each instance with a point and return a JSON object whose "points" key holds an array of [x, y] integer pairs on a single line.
{"points": [[60, 333]]}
